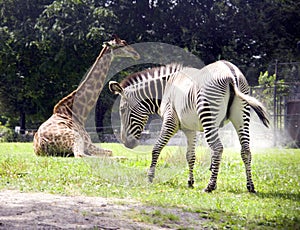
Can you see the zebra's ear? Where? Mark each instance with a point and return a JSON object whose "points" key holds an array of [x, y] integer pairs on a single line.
{"points": [[115, 88]]}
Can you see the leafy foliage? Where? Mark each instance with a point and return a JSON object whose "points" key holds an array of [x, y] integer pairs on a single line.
{"points": [[47, 46]]}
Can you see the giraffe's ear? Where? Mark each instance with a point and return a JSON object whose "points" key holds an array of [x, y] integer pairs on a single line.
{"points": [[116, 38], [115, 88]]}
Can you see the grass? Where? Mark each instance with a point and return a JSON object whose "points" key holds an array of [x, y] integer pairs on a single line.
{"points": [[275, 174], [155, 217]]}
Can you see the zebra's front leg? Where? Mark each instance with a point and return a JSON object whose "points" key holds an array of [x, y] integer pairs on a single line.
{"points": [[155, 154], [169, 128], [161, 142], [190, 155]]}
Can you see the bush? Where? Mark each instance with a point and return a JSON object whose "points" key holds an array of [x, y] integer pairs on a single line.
{"points": [[6, 134]]}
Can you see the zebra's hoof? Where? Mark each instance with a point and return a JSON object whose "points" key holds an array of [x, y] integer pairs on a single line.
{"points": [[251, 188], [191, 184], [150, 179], [209, 189]]}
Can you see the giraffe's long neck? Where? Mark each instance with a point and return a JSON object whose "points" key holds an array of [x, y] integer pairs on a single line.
{"points": [[80, 102]]}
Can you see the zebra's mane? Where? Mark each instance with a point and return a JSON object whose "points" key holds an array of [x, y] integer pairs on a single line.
{"points": [[152, 73]]}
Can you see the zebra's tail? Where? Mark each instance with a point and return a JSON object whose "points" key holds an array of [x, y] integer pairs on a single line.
{"points": [[255, 105]]}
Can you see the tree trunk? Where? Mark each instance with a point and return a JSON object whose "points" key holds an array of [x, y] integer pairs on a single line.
{"points": [[22, 122], [99, 120]]}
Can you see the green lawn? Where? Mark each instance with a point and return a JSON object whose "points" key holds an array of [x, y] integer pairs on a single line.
{"points": [[275, 174]]}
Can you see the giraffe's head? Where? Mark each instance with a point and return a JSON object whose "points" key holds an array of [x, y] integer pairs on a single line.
{"points": [[120, 48]]}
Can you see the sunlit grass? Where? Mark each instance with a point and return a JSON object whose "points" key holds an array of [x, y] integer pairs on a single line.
{"points": [[275, 174]]}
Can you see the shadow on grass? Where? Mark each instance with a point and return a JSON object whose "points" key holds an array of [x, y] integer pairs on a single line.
{"points": [[274, 194], [218, 219], [281, 195]]}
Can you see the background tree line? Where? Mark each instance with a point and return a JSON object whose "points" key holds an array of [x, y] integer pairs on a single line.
{"points": [[47, 46]]}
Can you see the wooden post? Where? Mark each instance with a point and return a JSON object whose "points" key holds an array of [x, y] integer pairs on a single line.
{"points": [[275, 106]]}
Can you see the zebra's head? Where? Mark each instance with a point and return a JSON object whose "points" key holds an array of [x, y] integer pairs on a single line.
{"points": [[133, 115]]}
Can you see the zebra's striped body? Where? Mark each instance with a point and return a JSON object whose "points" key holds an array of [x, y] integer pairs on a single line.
{"points": [[191, 100]]}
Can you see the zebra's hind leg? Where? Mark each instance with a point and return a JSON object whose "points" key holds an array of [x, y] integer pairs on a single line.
{"points": [[216, 147], [190, 155], [246, 156], [241, 120], [243, 134]]}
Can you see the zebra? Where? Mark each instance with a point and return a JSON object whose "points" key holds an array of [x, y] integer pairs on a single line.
{"points": [[191, 100]]}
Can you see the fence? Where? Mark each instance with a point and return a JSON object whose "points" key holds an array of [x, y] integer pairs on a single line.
{"points": [[282, 101]]}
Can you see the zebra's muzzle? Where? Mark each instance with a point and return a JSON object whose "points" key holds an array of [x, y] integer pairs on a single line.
{"points": [[130, 142]]}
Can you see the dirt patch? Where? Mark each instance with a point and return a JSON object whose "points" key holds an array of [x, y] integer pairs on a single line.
{"points": [[46, 211]]}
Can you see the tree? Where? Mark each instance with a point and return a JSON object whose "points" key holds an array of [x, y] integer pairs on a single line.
{"points": [[20, 58], [283, 29], [45, 52], [249, 33], [72, 33], [234, 30]]}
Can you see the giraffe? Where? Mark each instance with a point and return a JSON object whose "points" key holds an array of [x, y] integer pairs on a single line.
{"points": [[63, 134]]}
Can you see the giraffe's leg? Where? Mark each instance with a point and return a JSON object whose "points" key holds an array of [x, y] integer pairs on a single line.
{"points": [[190, 155], [169, 128], [241, 124], [78, 145], [97, 151], [85, 146]]}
